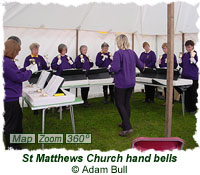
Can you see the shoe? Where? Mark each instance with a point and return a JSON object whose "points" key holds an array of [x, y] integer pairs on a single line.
{"points": [[85, 105], [125, 133], [146, 101], [120, 125], [35, 112], [151, 101], [88, 103], [105, 101], [192, 113], [67, 108], [186, 110]]}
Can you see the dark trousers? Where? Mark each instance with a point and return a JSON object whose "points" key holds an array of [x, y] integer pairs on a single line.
{"points": [[13, 121], [122, 101], [191, 97], [84, 93], [149, 92], [165, 90], [105, 92]]}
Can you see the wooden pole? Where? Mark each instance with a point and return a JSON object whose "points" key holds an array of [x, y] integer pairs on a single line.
{"points": [[156, 45], [170, 69], [183, 43], [77, 33], [133, 41]]}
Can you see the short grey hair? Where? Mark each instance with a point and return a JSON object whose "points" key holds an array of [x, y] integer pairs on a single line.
{"points": [[104, 45], [61, 47], [34, 46], [82, 46], [15, 38]]}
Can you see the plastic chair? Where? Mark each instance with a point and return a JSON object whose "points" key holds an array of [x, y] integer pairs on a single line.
{"points": [[158, 144]]}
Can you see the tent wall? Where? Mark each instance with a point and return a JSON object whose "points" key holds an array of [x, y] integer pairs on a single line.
{"points": [[49, 39]]}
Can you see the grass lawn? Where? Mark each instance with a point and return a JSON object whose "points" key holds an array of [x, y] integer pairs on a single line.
{"points": [[148, 120]]}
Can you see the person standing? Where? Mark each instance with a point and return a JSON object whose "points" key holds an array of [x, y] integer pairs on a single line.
{"points": [[148, 57], [103, 60], [163, 64], [190, 71], [16, 39], [13, 78], [124, 66], [83, 61]]}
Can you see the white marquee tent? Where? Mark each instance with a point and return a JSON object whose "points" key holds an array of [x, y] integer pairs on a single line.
{"points": [[52, 24]]}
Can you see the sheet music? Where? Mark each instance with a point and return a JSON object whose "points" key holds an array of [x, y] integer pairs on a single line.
{"points": [[53, 85], [42, 79]]}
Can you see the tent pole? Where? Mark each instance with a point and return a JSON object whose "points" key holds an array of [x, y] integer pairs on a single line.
{"points": [[77, 33], [183, 42], [170, 69], [156, 45], [133, 41]]}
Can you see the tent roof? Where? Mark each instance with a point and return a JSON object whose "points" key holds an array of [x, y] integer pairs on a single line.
{"points": [[129, 18]]}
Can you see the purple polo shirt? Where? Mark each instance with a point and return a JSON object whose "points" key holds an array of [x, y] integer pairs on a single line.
{"points": [[86, 65], [163, 64], [190, 71], [64, 64], [13, 78], [149, 59], [124, 67], [103, 64], [42, 65]]}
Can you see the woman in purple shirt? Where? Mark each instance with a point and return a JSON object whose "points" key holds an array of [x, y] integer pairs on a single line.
{"points": [[13, 78], [190, 70], [148, 57], [103, 60], [62, 61], [124, 66], [83, 61], [35, 57], [163, 64]]}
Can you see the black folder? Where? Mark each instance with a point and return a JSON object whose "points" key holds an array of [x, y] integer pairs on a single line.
{"points": [[161, 73], [101, 73], [148, 73], [73, 74]]}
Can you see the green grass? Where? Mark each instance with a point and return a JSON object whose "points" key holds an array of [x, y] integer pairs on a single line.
{"points": [[148, 120]]}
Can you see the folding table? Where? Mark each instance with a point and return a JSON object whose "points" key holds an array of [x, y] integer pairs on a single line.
{"points": [[60, 105]]}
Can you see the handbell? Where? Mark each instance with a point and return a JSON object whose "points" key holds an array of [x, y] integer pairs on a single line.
{"points": [[32, 61], [180, 54], [192, 54]]}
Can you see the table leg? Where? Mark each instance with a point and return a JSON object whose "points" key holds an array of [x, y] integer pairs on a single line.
{"points": [[22, 104], [183, 102], [60, 112], [72, 118], [43, 123], [76, 92], [53, 110]]}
